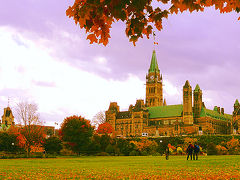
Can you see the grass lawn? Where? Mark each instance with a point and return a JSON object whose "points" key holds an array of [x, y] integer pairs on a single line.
{"points": [[122, 167]]}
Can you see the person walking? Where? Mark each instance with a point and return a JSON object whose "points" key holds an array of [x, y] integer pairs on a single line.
{"points": [[167, 152], [196, 150], [190, 150]]}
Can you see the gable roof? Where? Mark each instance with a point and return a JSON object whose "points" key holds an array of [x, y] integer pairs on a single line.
{"points": [[214, 114], [165, 111]]}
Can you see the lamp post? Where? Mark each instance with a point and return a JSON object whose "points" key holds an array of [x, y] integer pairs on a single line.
{"points": [[12, 146], [54, 129], [161, 146]]}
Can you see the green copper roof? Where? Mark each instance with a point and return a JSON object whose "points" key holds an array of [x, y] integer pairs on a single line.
{"points": [[214, 114], [165, 111], [3, 127], [154, 64], [236, 103], [197, 88], [215, 108]]}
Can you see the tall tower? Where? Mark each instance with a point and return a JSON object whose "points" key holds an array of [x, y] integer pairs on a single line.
{"points": [[197, 106], [7, 118], [236, 116], [187, 104], [154, 91], [111, 114]]}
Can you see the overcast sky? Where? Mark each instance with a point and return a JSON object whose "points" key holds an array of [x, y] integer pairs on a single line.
{"points": [[45, 58]]}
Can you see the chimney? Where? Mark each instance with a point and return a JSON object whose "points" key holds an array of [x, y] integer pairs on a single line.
{"points": [[218, 110], [222, 111]]}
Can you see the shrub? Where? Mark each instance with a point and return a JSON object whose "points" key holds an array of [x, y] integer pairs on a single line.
{"points": [[145, 145], [8, 142], [37, 155], [102, 154], [211, 149], [221, 150], [156, 154], [134, 153], [233, 146], [144, 153], [53, 145], [110, 149], [125, 146], [67, 152]]}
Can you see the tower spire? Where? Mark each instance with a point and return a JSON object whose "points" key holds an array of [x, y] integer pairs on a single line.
{"points": [[236, 102], [164, 103], [197, 88], [154, 64]]}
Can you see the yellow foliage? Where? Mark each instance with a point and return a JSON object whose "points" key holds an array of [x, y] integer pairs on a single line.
{"points": [[36, 148], [144, 144]]}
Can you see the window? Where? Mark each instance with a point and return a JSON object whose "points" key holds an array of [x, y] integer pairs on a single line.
{"points": [[165, 122]]}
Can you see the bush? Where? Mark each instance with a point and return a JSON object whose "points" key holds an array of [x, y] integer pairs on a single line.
{"points": [[233, 146], [50, 156], [8, 142], [102, 154], [156, 154], [144, 153], [53, 145], [221, 150], [67, 152], [110, 149], [125, 146], [134, 153], [211, 149], [37, 155]]}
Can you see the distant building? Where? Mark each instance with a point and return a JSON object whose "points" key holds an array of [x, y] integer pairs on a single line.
{"points": [[7, 117], [8, 121], [155, 118]]}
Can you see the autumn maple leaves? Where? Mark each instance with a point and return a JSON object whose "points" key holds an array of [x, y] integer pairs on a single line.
{"points": [[97, 16]]}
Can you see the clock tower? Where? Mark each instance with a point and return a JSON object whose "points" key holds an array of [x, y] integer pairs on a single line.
{"points": [[154, 91]]}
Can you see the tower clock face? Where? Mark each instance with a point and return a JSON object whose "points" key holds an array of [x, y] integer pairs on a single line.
{"points": [[152, 77]]}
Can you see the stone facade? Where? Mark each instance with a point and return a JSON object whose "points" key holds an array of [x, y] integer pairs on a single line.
{"points": [[155, 118], [7, 117]]}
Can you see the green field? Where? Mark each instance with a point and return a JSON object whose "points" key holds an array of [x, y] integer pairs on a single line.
{"points": [[122, 167]]}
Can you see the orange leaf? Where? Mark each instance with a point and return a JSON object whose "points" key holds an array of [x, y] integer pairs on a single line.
{"points": [[92, 38]]}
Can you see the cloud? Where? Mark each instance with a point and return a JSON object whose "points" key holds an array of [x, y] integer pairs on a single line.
{"points": [[45, 56], [46, 84], [57, 87]]}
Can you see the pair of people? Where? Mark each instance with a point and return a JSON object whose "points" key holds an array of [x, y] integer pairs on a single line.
{"points": [[193, 151]]}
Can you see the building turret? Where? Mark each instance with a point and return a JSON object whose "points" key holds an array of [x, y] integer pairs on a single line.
{"points": [[197, 101], [154, 91], [236, 105], [164, 103], [111, 114], [236, 117], [7, 118], [139, 106], [187, 104]]}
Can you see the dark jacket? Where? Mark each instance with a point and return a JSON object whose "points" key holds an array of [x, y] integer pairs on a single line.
{"points": [[190, 149], [196, 149]]}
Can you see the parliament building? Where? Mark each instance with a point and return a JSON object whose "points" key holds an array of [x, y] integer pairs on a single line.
{"points": [[154, 118]]}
